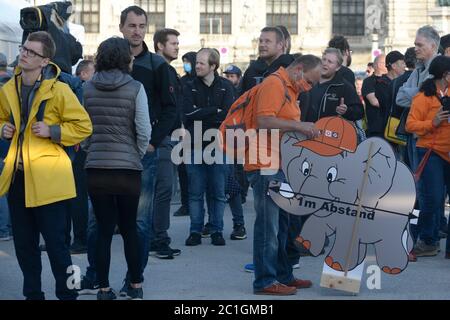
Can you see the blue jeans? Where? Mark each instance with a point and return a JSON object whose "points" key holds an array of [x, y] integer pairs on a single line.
{"points": [[435, 177], [199, 176], [144, 218], [270, 235], [236, 209]]}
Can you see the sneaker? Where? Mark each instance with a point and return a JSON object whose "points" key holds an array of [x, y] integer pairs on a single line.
{"points": [[167, 253], [5, 238], [87, 287], [421, 249], [181, 212], [126, 286], [300, 284], [277, 289], [239, 233], [217, 239], [77, 248], [296, 266], [249, 268], [42, 247], [206, 232], [442, 234], [135, 293], [194, 239], [106, 295]]}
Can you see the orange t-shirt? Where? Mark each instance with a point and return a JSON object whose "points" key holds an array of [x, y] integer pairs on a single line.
{"points": [[420, 121], [269, 100]]}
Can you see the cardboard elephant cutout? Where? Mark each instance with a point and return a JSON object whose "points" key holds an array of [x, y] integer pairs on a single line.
{"points": [[325, 180]]}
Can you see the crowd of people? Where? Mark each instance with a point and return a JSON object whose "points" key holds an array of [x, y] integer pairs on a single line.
{"points": [[93, 155]]}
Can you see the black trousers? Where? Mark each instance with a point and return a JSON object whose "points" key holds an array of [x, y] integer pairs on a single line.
{"points": [[115, 206], [27, 223]]}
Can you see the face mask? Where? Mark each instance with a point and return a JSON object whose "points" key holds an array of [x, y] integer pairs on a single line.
{"points": [[302, 84], [187, 68]]}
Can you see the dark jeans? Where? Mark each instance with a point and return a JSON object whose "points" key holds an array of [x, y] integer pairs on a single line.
{"points": [[145, 209], [78, 207], [112, 210], [270, 235], [183, 179], [435, 177], [49, 220], [92, 233], [165, 171]]}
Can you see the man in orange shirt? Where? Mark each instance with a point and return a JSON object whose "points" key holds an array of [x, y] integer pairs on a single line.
{"points": [[276, 112]]}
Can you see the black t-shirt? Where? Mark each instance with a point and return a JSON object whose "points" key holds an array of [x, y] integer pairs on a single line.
{"points": [[375, 115], [25, 106]]}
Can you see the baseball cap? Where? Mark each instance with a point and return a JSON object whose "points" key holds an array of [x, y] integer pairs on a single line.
{"points": [[336, 136], [232, 69], [393, 57], [3, 60]]}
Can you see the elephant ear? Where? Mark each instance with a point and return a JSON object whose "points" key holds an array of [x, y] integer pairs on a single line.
{"points": [[288, 149], [352, 169], [382, 169]]}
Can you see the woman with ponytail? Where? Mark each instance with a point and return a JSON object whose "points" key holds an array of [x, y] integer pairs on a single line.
{"points": [[429, 119]]}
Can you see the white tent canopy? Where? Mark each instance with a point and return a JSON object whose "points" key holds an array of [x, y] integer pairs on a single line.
{"points": [[10, 30]]}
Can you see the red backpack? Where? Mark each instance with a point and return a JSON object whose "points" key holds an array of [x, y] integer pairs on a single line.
{"points": [[240, 119]]}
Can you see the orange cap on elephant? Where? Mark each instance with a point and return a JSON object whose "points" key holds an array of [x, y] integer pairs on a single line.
{"points": [[336, 136]]}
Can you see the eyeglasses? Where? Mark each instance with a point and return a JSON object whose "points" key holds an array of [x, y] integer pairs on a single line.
{"points": [[29, 52]]}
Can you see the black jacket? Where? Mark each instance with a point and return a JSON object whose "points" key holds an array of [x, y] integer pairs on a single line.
{"points": [[323, 99], [259, 69], [348, 75], [153, 72], [202, 103], [178, 92]]}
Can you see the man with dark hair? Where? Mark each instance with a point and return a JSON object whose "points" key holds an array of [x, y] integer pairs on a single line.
{"points": [[38, 190], [287, 39], [370, 69], [153, 72], [206, 102], [341, 43], [273, 272], [166, 44], [445, 45], [271, 58], [85, 70]]}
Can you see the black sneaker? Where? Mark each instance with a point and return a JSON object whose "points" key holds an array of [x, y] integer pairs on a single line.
{"points": [[217, 239], [194, 239], [126, 286], [87, 287], [77, 248], [175, 252], [106, 295], [181, 212], [238, 233], [206, 232], [164, 252], [135, 293]]}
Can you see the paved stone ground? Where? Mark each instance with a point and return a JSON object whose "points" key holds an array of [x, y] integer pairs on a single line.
{"points": [[217, 273]]}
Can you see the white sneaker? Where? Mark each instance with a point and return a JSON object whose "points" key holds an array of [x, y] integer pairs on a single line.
{"points": [[296, 266]]}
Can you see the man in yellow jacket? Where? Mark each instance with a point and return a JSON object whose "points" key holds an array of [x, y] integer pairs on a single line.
{"points": [[38, 174]]}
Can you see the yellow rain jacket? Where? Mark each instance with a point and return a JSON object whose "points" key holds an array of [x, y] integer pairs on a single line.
{"points": [[47, 168]]}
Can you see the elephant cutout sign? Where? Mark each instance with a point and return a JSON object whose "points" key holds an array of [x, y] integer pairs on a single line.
{"points": [[325, 180]]}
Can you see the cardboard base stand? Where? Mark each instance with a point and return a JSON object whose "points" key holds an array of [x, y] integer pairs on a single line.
{"points": [[332, 279]]}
